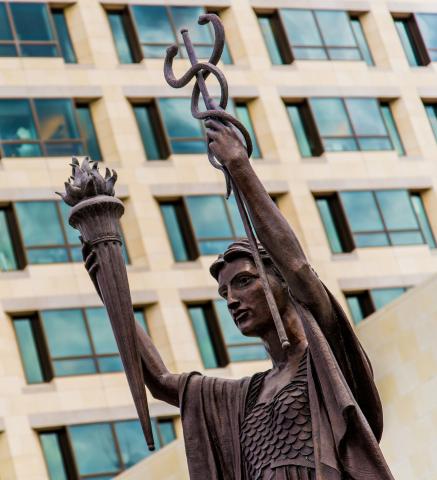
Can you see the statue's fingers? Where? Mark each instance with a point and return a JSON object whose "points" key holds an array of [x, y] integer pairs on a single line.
{"points": [[212, 134], [90, 260], [214, 124]]}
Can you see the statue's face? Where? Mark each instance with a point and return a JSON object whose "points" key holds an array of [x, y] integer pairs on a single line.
{"points": [[241, 287]]}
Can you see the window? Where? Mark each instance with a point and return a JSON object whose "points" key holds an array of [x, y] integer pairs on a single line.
{"points": [[166, 126], [374, 218], [343, 124], [100, 450], [363, 304], [8, 253], [431, 111], [46, 127], [204, 224], [313, 35], [33, 30], [68, 342], [418, 37], [219, 339], [142, 31]]}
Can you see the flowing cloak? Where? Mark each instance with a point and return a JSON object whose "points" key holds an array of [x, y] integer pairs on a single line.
{"points": [[346, 411]]}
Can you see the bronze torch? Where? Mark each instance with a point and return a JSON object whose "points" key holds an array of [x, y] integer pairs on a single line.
{"points": [[96, 214]]}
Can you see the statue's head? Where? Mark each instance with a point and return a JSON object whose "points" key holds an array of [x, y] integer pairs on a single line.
{"points": [[240, 285]]}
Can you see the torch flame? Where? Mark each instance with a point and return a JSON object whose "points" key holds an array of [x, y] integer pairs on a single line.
{"points": [[86, 182]]}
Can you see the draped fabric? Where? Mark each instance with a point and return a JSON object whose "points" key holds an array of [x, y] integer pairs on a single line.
{"points": [[346, 413]]}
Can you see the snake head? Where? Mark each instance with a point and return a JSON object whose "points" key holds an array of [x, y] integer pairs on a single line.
{"points": [[219, 34], [169, 75]]}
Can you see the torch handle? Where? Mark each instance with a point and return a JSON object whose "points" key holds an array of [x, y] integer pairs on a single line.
{"points": [[114, 286]]}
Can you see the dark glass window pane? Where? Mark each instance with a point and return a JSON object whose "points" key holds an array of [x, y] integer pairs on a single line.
{"points": [[154, 51], [39, 223], [407, 42], [269, 38], [366, 116], [406, 238], [16, 121], [88, 132], [65, 368], [331, 117], [203, 337], [145, 124], [247, 353], [375, 144], [431, 111], [39, 50], [94, 449], [383, 296], [213, 247], [32, 21], [371, 240], [237, 223], [187, 17], [329, 224], [309, 53], [344, 54], [22, 150], [7, 254], [361, 40], [428, 28], [63, 36], [140, 318], [340, 144], [130, 437], [177, 241], [208, 215], [110, 364], [5, 27], [423, 219], [101, 331], [231, 334], [56, 119], [362, 211], [8, 51], [72, 233], [28, 350], [299, 130], [176, 120], [47, 255], [301, 27], [66, 333], [64, 149], [153, 24], [116, 20], [243, 115], [336, 28], [193, 146], [166, 430], [53, 455], [397, 210], [355, 308]]}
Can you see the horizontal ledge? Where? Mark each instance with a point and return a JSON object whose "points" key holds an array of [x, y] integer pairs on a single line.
{"points": [[351, 5], [311, 91], [198, 294], [184, 3], [331, 185], [51, 91], [408, 7], [165, 91], [93, 415], [26, 304], [386, 281], [214, 188]]}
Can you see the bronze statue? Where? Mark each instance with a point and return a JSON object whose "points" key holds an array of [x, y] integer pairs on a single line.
{"points": [[316, 413]]}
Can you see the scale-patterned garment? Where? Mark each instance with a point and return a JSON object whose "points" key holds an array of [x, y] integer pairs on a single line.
{"points": [[276, 437]]}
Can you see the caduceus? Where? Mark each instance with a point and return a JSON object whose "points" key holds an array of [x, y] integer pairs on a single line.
{"points": [[200, 71]]}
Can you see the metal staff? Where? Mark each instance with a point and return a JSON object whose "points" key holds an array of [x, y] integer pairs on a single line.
{"points": [[95, 214], [201, 72]]}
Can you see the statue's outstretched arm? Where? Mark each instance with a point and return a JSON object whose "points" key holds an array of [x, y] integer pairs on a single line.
{"points": [[271, 227], [162, 384]]}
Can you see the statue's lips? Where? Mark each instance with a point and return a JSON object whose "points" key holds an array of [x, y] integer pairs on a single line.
{"points": [[241, 315]]}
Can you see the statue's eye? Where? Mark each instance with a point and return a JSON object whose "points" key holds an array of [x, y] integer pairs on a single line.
{"points": [[244, 281]]}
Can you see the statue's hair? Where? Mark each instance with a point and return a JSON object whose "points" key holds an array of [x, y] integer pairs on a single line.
{"points": [[242, 249]]}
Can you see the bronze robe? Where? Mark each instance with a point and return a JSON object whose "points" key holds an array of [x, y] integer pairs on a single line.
{"points": [[346, 411]]}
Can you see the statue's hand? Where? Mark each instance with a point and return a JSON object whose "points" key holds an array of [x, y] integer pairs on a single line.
{"points": [[91, 265], [226, 145]]}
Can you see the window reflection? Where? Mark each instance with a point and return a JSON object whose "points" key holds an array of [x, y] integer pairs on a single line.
{"points": [[8, 259]]}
